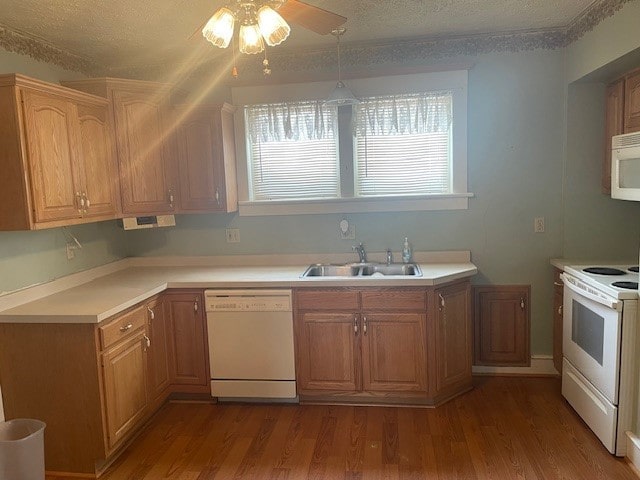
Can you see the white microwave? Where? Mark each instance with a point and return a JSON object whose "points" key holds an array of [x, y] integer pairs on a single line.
{"points": [[625, 166]]}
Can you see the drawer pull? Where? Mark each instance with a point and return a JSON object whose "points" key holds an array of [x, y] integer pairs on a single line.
{"points": [[126, 327]]}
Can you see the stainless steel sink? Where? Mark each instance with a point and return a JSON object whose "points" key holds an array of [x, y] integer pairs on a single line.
{"points": [[363, 270], [324, 270], [403, 269]]}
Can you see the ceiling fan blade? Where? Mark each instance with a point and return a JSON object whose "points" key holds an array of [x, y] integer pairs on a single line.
{"points": [[313, 18]]}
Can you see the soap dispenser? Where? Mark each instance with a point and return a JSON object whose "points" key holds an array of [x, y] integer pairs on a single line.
{"points": [[406, 251]]}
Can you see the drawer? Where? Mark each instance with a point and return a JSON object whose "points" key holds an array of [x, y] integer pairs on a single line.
{"points": [[327, 299], [394, 299], [122, 326]]}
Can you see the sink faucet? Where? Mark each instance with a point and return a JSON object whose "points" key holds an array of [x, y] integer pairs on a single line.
{"points": [[361, 252], [389, 256]]}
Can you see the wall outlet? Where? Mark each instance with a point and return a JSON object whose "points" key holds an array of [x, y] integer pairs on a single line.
{"points": [[538, 225], [233, 235], [71, 251]]}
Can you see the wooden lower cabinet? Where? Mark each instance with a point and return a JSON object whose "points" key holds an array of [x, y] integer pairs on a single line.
{"points": [[158, 357], [502, 325], [328, 355], [95, 385], [393, 349], [558, 294], [125, 386], [453, 338], [188, 346], [372, 344]]}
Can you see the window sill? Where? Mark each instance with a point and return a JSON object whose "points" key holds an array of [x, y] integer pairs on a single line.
{"points": [[455, 201]]}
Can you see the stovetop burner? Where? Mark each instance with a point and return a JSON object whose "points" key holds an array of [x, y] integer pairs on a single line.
{"points": [[603, 271], [633, 269], [629, 285]]}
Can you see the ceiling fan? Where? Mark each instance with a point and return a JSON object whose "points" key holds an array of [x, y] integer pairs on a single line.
{"points": [[265, 21]]}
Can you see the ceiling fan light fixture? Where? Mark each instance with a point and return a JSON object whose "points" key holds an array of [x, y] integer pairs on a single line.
{"points": [[273, 27], [251, 39], [219, 28]]}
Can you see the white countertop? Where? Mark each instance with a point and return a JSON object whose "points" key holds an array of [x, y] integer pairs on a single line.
{"points": [[95, 300]]}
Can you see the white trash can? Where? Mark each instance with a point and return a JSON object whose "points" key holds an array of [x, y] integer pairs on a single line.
{"points": [[22, 449]]}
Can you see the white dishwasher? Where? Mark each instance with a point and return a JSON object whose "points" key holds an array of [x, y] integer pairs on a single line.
{"points": [[251, 344]]}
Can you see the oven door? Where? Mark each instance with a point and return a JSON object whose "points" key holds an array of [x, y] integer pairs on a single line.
{"points": [[591, 337]]}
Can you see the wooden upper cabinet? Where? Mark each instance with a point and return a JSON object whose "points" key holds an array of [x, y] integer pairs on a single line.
{"points": [[632, 102], [58, 156], [54, 157], [145, 142], [614, 125], [101, 180], [146, 164], [206, 153]]}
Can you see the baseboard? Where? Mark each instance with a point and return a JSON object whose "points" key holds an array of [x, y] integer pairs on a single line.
{"points": [[541, 366], [633, 451]]}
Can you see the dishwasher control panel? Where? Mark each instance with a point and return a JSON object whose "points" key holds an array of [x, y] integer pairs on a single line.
{"points": [[248, 301]]}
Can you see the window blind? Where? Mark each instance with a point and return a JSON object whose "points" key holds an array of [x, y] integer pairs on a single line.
{"points": [[403, 145], [293, 151]]}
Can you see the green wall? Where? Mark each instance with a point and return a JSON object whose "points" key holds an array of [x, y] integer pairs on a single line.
{"points": [[27, 258]]}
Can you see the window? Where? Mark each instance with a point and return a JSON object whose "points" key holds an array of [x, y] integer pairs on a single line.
{"points": [[403, 148], [403, 145], [293, 151]]}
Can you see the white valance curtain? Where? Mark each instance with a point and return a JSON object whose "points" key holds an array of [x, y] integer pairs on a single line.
{"points": [[404, 114], [309, 120]]}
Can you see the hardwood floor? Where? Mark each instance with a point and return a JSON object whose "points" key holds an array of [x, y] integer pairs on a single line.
{"points": [[506, 428]]}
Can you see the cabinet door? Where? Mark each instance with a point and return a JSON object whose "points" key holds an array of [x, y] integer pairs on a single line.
{"points": [[101, 183], [200, 161], [158, 351], [502, 325], [632, 102], [52, 147], [328, 353], [188, 352], [144, 154], [125, 386], [614, 125], [393, 352], [453, 336]]}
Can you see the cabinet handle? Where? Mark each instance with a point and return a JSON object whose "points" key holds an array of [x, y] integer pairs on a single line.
{"points": [[364, 324], [522, 303], [147, 342], [80, 202], [87, 203], [195, 306], [558, 284], [152, 315], [442, 305], [355, 324], [217, 197], [126, 327], [171, 198], [560, 310]]}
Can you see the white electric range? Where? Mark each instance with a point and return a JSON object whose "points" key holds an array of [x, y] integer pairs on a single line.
{"points": [[600, 334]]}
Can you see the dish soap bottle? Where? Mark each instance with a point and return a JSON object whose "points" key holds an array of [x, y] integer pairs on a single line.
{"points": [[406, 251]]}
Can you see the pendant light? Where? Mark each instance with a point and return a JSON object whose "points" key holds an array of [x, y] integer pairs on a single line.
{"points": [[341, 95]]}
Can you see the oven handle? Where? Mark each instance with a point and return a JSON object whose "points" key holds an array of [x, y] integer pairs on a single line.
{"points": [[596, 298]]}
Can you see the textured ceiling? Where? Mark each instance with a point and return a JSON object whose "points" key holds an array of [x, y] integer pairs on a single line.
{"points": [[119, 33]]}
